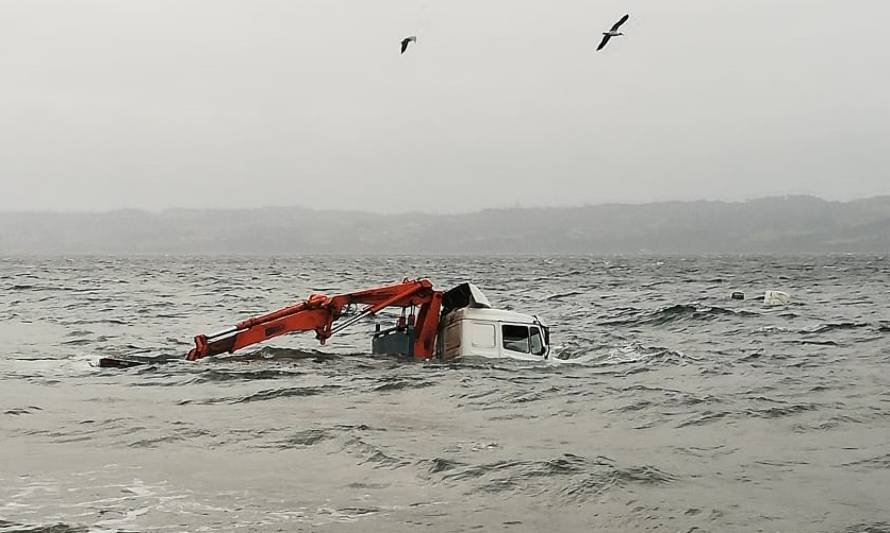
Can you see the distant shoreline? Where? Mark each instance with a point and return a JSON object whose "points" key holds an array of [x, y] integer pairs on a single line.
{"points": [[791, 225]]}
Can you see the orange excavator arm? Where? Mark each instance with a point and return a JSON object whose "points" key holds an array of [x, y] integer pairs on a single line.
{"points": [[319, 312]]}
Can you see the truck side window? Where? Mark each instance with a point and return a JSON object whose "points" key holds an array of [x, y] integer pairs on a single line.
{"points": [[516, 338], [483, 335], [535, 341]]}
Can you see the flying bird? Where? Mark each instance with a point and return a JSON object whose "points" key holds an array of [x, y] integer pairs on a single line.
{"points": [[406, 40], [611, 33]]}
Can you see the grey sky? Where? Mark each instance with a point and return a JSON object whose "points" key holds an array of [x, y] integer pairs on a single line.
{"points": [[208, 103]]}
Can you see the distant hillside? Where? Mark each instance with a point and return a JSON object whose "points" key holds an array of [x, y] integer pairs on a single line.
{"points": [[798, 224]]}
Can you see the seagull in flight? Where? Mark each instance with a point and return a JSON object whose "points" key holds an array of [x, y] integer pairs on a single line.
{"points": [[611, 33], [406, 40]]}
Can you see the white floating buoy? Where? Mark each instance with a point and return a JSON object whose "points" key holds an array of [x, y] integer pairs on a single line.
{"points": [[776, 298]]}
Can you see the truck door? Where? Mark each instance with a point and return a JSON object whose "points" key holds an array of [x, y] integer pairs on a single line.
{"points": [[450, 339]]}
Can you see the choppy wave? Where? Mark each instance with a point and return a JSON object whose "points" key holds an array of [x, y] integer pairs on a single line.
{"points": [[12, 527], [569, 477], [873, 527], [22, 410], [267, 394], [672, 314]]}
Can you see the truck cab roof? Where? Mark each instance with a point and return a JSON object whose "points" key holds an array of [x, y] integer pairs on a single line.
{"points": [[490, 315]]}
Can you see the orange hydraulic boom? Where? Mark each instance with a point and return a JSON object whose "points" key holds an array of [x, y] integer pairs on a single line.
{"points": [[319, 312]]}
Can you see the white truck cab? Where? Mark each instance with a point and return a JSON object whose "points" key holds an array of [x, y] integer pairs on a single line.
{"points": [[470, 327], [485, 332]]}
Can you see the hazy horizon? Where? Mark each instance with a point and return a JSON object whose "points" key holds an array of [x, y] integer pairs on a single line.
{"points": [[196, 104], [468, 211]]}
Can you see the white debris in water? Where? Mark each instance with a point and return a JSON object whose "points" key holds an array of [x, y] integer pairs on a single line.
{"points": [[776, 298]]}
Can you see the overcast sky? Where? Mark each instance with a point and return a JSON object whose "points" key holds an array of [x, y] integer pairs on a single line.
{"points": [[209, 103]]}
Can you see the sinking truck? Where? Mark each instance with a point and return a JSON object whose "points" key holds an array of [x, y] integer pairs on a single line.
{"points": [[433, 324]]}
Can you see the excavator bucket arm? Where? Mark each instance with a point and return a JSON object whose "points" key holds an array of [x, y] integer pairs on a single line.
{"points": [[319, 312]]}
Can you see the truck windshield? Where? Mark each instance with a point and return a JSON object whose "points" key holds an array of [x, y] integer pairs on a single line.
{"points": [[536, 342]]}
